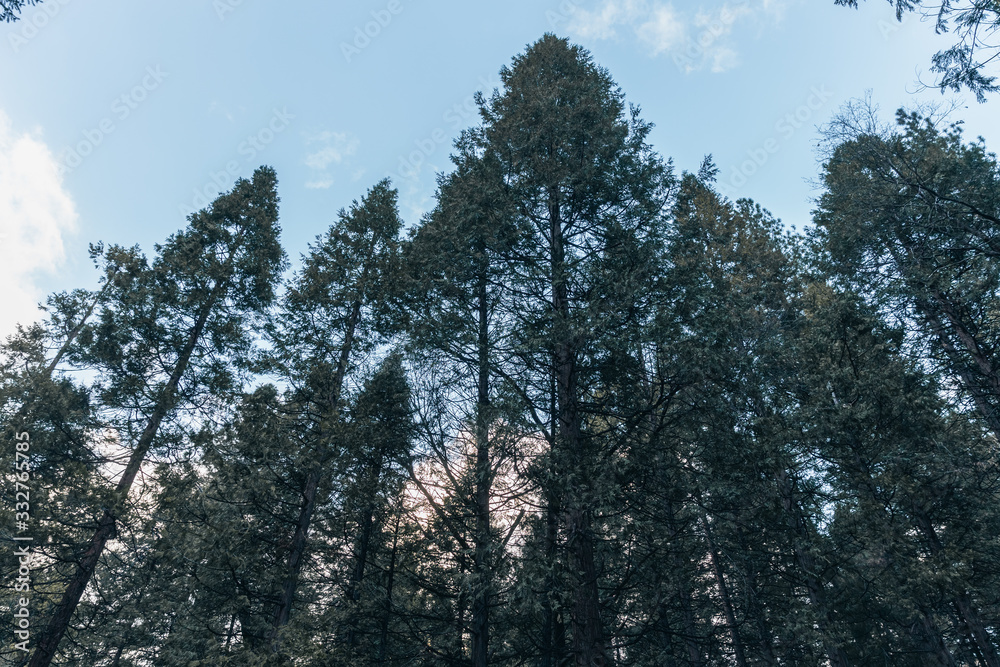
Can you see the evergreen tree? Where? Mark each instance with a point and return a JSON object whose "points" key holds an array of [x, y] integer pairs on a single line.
{"points": [[586, 194], [334, 312], [379, 439], [456, 308], [902, 471], [911, 218], [165, 342]]}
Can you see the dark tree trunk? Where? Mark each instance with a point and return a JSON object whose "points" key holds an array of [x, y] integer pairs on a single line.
{"points": [[363, 548], [585, 618], [484, 481], [808, 566], [383, 645], [975, 632], [727, 605], [50, 637], [755, 608], [297, 549]]}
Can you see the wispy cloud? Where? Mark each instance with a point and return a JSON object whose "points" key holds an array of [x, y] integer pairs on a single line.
{"points": [[319, 184], [333, 149], [35, 215], [601, 23], [695, 41], [661, 30]]}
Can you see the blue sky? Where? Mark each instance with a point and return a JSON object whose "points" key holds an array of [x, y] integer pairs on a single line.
{"points": [[117, 118]]}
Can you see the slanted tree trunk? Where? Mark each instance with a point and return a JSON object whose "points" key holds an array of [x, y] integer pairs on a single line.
{"points": [[968, 617], [928, 636], [297, 549], [53, 633]]}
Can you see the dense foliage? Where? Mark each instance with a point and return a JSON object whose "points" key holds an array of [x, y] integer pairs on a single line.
{"points": [[588, 412]]}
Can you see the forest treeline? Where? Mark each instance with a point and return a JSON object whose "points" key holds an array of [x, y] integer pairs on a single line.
{"points": [[587, 412]]}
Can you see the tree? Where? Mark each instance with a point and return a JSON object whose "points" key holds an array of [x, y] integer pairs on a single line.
{"points": [[908, 481], [457, 268], [379, 441], [744, 488], [966, 63], [586, 194], [911, 218], [334, 311], [161, 343]]}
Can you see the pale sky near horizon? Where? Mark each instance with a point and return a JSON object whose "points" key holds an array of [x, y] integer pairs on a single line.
{"points": [[118, 118]]}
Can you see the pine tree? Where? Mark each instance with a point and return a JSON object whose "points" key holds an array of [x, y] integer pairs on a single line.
{"points": [[911, 218], [587, 194], [334, 311], [159, 345]]}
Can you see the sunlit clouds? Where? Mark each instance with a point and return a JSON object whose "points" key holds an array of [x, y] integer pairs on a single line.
{"points": [[36, 213]]}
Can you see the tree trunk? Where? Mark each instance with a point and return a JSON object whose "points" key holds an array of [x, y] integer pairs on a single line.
{"points": [[684, 596], [484, 480], [928, 636], [755, 608], [727, 606], [53, 633], [588, 641], [933, 305], [362, 551], [807, 564], [383, 644], [964, 373], [298, 546], [976, 633], [553, 629]]}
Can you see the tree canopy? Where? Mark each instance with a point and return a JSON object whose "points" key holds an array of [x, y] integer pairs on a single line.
{"points": [[587, 411]]}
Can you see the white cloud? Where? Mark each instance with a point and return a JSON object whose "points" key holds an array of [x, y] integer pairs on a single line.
{"points": [[600, 23], [333, 149], [35, 215], [320, 184], [724, 59], [695, 41], [662, 30]]}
